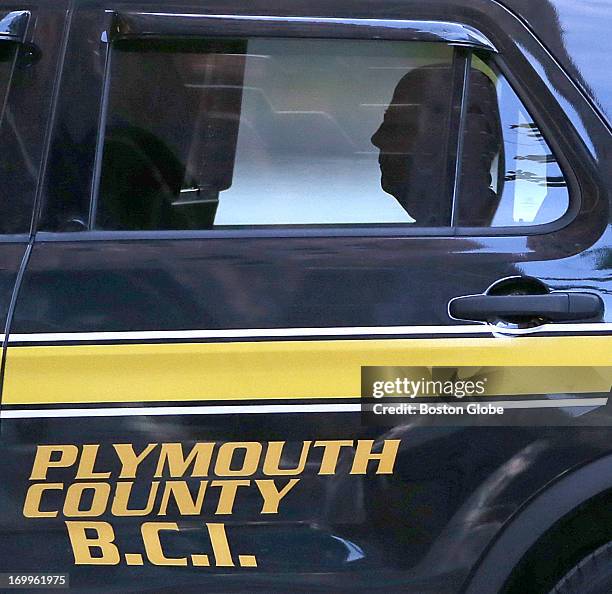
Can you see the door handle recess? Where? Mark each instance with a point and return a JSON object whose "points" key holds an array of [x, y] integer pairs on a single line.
{"points": [[552, 307]]}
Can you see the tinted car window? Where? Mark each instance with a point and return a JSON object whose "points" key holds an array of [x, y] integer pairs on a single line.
{"points": [[275, 132], [243, 133], [509, 174], [10, 165]]}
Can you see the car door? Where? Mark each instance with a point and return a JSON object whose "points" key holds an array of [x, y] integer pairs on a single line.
{"points": [[251, 217]]}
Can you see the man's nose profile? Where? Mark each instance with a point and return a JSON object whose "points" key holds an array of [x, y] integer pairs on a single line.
{"points": [[410, 141], [377, 137]]}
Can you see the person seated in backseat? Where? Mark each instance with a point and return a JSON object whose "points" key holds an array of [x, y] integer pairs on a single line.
{"points": [[414, 136]]}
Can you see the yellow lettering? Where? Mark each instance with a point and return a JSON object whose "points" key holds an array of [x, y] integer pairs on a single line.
{"points": [[31, 505], [87, 463], [129, 459], [42, 461], [252, 453], [228, 494], [185, 503], [172, 454], [82, 545], [122, 498], [331, 453], [150, 536], [99, 501], [386, 458], [220, 545], [274, 454], [271, 495]]}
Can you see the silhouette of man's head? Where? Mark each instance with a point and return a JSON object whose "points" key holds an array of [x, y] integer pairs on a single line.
{"points": [[413, 142]]}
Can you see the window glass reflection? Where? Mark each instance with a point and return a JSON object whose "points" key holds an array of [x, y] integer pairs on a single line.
{"points": [[275, 132], [510, 176]]}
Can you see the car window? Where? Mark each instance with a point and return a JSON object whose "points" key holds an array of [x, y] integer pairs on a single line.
{"points": [[274, 132], [226, 133], [509, 174], [14, 172]]}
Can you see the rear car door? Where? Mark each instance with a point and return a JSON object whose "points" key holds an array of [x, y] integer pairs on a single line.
{"points": [[245, 207]]}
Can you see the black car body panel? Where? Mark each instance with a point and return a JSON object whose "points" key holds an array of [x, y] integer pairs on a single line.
{"points": [[463, 505]]}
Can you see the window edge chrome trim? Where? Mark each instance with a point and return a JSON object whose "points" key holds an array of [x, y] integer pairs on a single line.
{"points": [[145, 25]]}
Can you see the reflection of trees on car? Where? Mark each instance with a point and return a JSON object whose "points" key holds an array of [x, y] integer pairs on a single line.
{"points": [[549, 181]]}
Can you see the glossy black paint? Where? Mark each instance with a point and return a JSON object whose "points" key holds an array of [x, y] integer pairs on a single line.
{"points": [[268, 283], [456, 489], [23, 127], [420, 530], [12, 252], [290, 281], [576, 33]]}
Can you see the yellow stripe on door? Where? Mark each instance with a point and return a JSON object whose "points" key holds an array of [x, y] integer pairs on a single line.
{"points": [[271, 369]]}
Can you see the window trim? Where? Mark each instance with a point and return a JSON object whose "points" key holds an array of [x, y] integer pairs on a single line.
{"points": [[462, 61], [147, 25]]}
